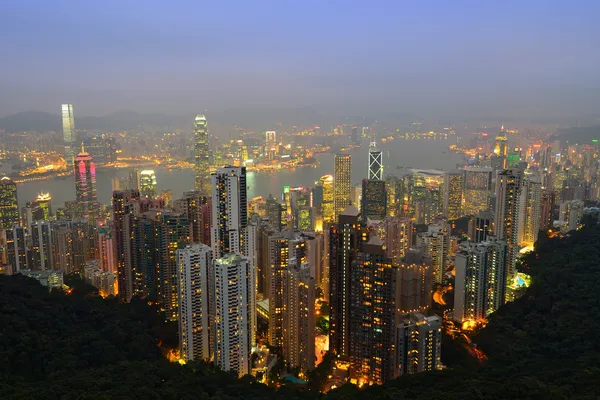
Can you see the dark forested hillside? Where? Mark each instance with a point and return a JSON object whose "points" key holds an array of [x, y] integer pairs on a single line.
{"points": [[544, 346]]}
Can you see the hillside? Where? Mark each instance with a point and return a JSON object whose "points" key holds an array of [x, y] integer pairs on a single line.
{"points": [[79, 346]]}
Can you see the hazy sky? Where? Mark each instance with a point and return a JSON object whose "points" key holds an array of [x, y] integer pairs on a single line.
{"points": [[345, 57]]}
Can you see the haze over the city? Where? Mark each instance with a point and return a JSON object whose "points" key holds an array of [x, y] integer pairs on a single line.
{"points": [[467, 59]]}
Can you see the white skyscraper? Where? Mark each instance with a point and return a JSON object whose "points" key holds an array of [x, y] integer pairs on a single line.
{"points": [[233, 290], [375, 163], [229, 211], [481, 279], [194, 264], [69, 134]]}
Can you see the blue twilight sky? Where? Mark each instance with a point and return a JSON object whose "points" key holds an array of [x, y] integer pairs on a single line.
{"points": [[465, 58]]}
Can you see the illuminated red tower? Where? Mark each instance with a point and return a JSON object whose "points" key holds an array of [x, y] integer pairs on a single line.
{"points": [[85, 184]]}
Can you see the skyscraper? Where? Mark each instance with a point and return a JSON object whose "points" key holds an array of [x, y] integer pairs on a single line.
{"points": [[123, 206], [85, 185], [341, 184], [194, 263], [327, 205], [509, 184], [453, 191], [415, 287], [501, 148], [148, 184], [529, 213], [372, 314], [299, 313], [478, 185], [419, 344], [229, 211], [481, 279], [345, 239], [374, 200], [69, 133], [201, 155], [9, 204], [375, 163], [232, 321], [41, 245], [480, 226]]}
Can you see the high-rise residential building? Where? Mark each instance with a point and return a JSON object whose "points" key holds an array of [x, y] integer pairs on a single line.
{"points": [[9, 204], [509, 183], [375, 163], [548, 199], [44, 201], [327, 205], [63, 249], [477, 189], [42, 245], [342, 187], [481, 279], [480, 226], [419, 344], [201, 155], [229, 211], [374, 200], [372, 314], [570, 215], [453, 194], [133, 183], [173, 234], [398, 236], [436, 242], [299, 313], [16, 248], [148, 184], [199, 212], [106, 250], [194, 264], [69, 133], [415, 283], [529, 213], [123, 207], [232, 317], [285, 248], [85, 185], [345, 239]]}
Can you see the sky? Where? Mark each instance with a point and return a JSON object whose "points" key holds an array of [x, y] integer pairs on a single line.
{"points": [[367, 58]]}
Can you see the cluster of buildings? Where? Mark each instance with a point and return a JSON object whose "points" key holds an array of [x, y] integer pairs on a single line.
{"points": [[215, 260]]}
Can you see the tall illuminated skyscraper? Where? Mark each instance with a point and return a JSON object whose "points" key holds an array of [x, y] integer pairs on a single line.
{"points": [[148, 183], [375, 163], [326, 183], [9, 204], [229, 211], [453, 191], [509, 183], [232, 316], [85, 184], [529, 212], [69, 133], [194, 264], [201, 155], [501, 148], [373, 314], [342, 188], [481, 279], [345, 239], [373, 200], [419, 344]]}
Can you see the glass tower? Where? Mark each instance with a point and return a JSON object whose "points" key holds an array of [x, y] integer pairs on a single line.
{"points": [[375, 163], [201, 155], [9, 206], [341, 184], [69, 134]]}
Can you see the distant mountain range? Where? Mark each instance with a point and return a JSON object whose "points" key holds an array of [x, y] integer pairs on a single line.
{"points": [[259, 119]]}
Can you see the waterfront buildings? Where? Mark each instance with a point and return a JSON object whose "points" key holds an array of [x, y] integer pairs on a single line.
{"points": [[148, 184]]}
